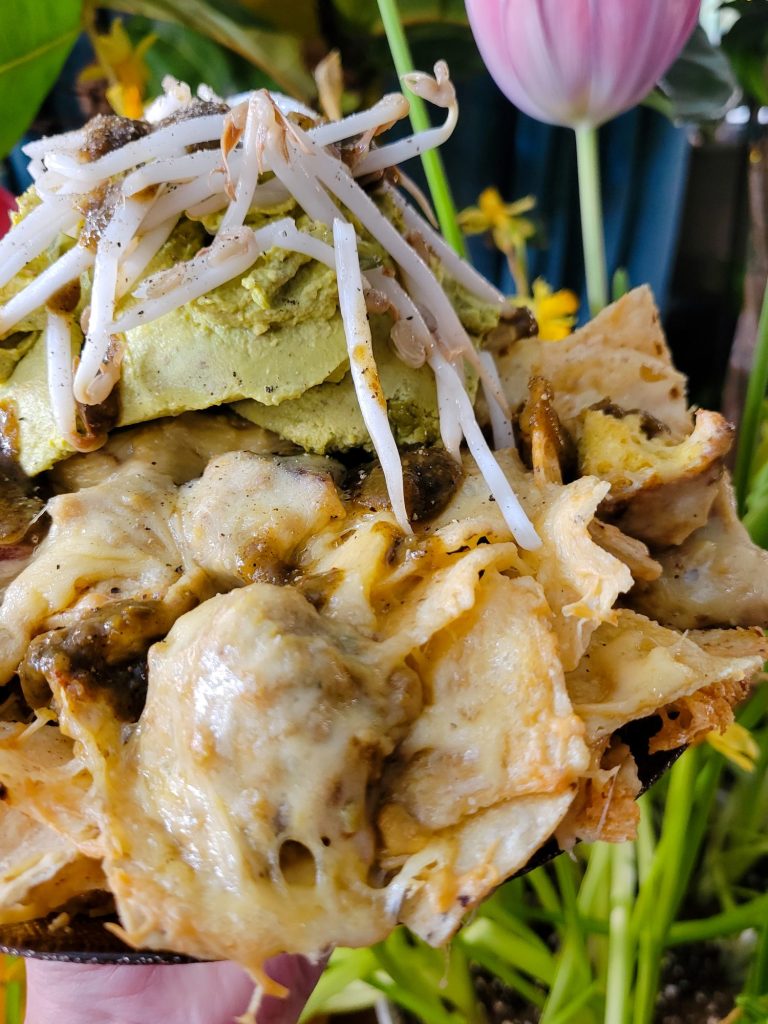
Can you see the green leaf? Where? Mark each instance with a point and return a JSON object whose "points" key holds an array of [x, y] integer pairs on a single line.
{"points": [[192, 58], [36, 37], [365, 13], [754, 1009], [746, 44], [299, 17], [345, 968], [277, 54], [700, 86]]}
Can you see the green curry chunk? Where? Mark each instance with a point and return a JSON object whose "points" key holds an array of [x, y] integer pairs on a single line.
{"points": [[12, 348], [327, 418], [270, 342], [40, 444]]}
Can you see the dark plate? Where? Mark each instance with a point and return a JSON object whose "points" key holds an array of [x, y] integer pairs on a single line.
{"points": [[85, 940]]}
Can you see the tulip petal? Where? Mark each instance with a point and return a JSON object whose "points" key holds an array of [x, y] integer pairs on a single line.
{"points": [[579, 62]]}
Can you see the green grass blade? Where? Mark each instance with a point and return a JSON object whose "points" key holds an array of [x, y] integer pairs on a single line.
{"points": [[355, 966], [511, 978], [620, 944], [747, 915], [484, 934]]}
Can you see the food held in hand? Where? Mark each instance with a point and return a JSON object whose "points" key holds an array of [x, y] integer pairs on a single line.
{"points": [[290, 650]]}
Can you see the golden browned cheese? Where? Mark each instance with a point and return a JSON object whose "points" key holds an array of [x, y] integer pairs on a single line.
{"points": [[247, 515]]}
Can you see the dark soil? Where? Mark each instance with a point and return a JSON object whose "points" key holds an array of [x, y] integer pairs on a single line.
{"points": [[502, 1005], [696, 988]]}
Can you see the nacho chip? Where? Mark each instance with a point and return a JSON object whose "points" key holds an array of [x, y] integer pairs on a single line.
{"points": [[621, 356], [636, 666], [718, 577]]}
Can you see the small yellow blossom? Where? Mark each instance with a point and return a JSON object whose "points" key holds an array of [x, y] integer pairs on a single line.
{"points": [[555, 312], [506, 224], [123, 66], [510, 229], [737, 744], [505, 221]]}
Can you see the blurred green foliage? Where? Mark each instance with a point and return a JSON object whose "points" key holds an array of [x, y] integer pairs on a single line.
{"points": [[36, 37], [746, 45]]}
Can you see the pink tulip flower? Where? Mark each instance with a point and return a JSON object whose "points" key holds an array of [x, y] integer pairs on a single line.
{"points": [[7, 205], [578, 63]]}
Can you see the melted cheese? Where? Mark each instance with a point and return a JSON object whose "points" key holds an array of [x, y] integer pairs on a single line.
{"points": [[248, 516], [179, 447], [616, 450], [237, 812], [107, 542], [497, 721], [385, 737], [636, 666], [581, 580]]}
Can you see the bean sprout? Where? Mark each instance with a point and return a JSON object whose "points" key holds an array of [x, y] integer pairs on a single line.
{"points": [[66, 269], [58, 345], [229, 256], [365, 375], [33, 235]]}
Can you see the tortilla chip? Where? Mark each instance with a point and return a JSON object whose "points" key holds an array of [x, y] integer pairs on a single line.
{"points": [[632, 552], [459, 867], [690, 719], [621, 355], [580, 579], [42, 777], [636, 666], [40, 870], [718, 577], [604, 808]]}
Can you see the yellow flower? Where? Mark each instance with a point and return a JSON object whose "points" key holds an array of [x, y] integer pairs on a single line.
{"points": [[555, 312], [11, 969], [124, 67], [505, 221], [507, 226], [737, 744]]}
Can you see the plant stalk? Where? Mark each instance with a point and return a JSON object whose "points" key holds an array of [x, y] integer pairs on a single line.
{"points": [[620, 951], [434, 170], [588, 160], [753, 407], [657, 913]]}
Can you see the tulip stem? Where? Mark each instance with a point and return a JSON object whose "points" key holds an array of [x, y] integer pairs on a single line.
{"points": [[749, 431], [592, 218], [434, 169]]}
